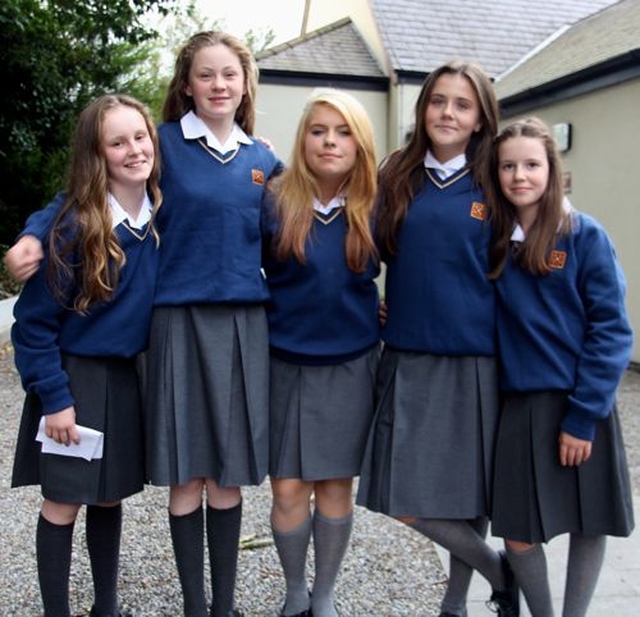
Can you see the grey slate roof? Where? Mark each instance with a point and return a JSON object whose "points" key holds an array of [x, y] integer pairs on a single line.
{"points": [[337, 49], [420, 35], [608, 34]]}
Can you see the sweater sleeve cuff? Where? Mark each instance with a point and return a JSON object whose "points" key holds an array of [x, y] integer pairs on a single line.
{"points": [[577, 424]]}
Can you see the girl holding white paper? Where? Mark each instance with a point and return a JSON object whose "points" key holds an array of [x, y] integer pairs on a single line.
{"points": [[81, 321]]}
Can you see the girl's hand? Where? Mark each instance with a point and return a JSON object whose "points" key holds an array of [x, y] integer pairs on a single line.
{"points": [[382, 312], [24, 258], [61, 426], [573, 451], [267, 142]]}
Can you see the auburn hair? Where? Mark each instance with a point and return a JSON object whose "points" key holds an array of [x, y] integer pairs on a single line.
{"points": [[83, 247], [177, 102], [553, 218]]}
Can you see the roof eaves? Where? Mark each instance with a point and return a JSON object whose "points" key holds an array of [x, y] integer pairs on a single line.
{"points": [[608, 73], [327, 80]]}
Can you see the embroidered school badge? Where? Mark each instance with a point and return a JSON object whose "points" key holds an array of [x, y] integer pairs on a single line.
{"points": [[478, 211], [557, 259], [257, 176]]}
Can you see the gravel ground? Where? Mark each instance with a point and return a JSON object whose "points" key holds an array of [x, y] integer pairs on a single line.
{"points": [[389, 570]]}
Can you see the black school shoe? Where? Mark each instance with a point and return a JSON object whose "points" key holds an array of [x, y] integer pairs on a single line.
{"points": [[94, 613], [506, 603]]}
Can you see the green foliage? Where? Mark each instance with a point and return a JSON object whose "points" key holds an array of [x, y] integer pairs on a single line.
{"points": [[55, 56]]}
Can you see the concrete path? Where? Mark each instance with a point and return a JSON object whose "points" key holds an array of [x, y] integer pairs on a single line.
{"points": [[618, 590], [6, 318]]}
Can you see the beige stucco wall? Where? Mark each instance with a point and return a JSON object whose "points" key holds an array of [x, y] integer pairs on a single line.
{"points": [[280, 108], [604, 163]]}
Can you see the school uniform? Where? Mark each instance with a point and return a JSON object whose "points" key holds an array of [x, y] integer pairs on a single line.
{"points": [[87, 361], [430, 450], [323, 337], [565, 341], [207, 393]]}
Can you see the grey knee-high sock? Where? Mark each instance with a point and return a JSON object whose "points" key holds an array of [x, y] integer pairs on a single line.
{"points": [[292, 547], [463, 541], [530, 569], [187, 536], [223, 537], [53, 550], [330, 541], [586, 554], [103, 531], [460, 573]]}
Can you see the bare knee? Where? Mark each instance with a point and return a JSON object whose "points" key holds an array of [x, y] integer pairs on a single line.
{"points": [[334, 498], [187, 497], [222, 498], [291, 502], [518, 547], [59, 513]]}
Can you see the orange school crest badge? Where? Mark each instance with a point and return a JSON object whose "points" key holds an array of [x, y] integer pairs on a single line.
{"points": [[257, 176], [478, 210], [557, 259]]}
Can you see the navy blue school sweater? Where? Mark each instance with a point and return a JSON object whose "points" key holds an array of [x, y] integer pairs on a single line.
{"points": [[567, 330], [44, 328], [320, 312], [439, 298], [210, 221]]}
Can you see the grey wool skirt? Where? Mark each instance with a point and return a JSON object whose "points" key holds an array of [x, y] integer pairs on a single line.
{"points": [[206, 404], [430, 450], [107, 398], [535, 498], [320, 417]]}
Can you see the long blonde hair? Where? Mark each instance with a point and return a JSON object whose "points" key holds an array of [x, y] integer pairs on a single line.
{"points": [[83, 247], [552, 219], [177, 102], [296, 188]]}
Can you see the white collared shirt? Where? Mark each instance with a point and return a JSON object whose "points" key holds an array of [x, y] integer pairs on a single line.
{"points": [[194, 127], [119, 214], [446, 169], [518, 235], [337, 202]]}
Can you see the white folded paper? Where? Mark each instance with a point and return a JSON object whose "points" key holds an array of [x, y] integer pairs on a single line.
{"points": [[89, 448]]}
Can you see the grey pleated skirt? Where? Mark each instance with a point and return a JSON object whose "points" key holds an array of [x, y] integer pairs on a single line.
{"points": [[206, 404], [430, 450], [535, 498], [107, 398], [320, 417]]}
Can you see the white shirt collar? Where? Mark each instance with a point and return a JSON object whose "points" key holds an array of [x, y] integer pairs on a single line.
{"points": [[337, 202], [446, 169], [518, 234], [119, 214], [194, 127]]}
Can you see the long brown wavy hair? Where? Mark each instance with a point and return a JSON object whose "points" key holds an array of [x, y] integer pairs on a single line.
{"points": [[296, 188], [552, 220], [177, 102], [402, 173], [83, 246]]}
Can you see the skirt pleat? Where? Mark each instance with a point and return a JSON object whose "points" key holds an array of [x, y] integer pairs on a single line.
{"points": [[535, 497], [207, 395], [320, 417], [107, 398], [430, 449]]}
